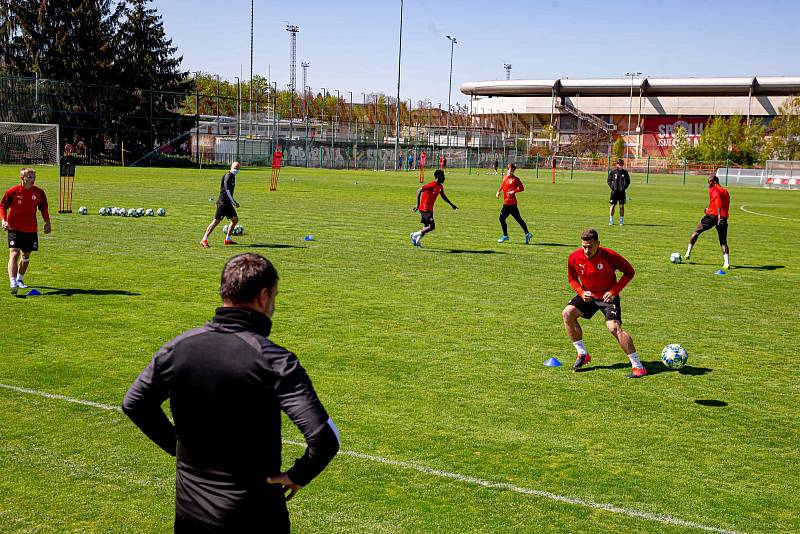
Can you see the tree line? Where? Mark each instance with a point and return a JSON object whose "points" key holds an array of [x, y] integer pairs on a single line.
{"points": [[120, 47]]}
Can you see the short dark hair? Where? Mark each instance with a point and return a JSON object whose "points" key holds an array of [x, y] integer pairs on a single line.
{"points": [[620, 162], [713, 178], [512, 166], [438, 174], [590, 234], [244, 276]]}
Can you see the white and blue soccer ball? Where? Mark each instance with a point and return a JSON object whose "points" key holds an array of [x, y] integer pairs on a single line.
{"points": [[161, 212], [132, 212], [676, 257], [674, 356], [149, 212], [140, 211], [225, 229], [102, 211], [238, 230], [83, 210]]}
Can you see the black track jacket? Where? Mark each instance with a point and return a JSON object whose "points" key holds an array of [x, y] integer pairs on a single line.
{"points": [[619, 180], [227, 384]]}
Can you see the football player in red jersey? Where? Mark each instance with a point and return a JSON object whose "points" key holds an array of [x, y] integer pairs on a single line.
{"points": [[18, 213], [510, 187], [591, 271], [426, 197], [716, 216]]}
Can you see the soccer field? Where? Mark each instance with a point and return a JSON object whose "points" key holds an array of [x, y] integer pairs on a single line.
{"points": [[429, 360]]}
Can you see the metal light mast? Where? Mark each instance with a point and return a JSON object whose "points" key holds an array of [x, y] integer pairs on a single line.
{"points": [[305, 65], [507, 66], [293, 30]]}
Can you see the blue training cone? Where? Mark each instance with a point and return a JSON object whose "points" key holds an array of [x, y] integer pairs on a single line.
{"points": [[34, 293], [552, 362], [309, 237], [720, 272]]}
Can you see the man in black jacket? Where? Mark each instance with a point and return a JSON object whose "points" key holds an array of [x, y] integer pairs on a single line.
{"points": [[227, 384], [618, 180]]}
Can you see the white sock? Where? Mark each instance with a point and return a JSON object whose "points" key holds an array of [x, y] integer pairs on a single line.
{"points": [[622, 220], [611, 219], [205, 237], [580, 347], [13, 282], [726, 259], [688, 250], [635, 363]]}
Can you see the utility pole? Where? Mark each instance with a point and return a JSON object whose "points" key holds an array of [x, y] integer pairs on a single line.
{"points": [[450, 87], [397, 116], [507, 66], [632, 75]]}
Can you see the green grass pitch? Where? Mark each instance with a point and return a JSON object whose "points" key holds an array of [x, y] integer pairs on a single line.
{"points": [[429, 360]]}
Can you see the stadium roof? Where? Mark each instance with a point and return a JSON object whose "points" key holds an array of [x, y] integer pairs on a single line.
{"points": [[744, 86]]}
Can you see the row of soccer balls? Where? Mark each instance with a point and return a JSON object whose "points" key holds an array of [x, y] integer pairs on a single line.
{"points": [[674, 356], [237, 230], [122, 212]]}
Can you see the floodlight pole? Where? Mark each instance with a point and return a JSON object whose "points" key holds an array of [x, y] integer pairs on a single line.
{"points": [[250, 112], [632, 75], [238, 113], [397, 116], [450, 87]]}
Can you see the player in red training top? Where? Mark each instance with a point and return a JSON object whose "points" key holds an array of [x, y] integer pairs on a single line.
{"points": [[591, 273], [18, 212], [423, 158], [510, 187], [426, 197], [716, 215]]}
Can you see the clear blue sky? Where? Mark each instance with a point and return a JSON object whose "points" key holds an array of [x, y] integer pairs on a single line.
{"points": [[352, 44]]}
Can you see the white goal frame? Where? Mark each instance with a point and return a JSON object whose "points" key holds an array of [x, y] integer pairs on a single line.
{"points": [[26, 143]]}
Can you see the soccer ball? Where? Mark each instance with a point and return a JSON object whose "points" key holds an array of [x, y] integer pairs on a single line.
{"points": [[102, 211], [225, 229], [83, 210], [238, 230], [149, 212], [675, 257], [674, 356], [140, 212], [161, 212]]}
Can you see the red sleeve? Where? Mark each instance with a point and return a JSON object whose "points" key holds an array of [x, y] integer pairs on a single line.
{"points": [[5, 204], [621, 264], [43, 207], [572, 276], [520, 187]]}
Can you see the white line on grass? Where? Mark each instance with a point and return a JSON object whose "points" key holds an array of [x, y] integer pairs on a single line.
{"points": [[666, 519], [742, 207]]}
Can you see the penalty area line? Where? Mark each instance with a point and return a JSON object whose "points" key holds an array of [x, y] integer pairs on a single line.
{"points": [[466, 479], [744, 206]]}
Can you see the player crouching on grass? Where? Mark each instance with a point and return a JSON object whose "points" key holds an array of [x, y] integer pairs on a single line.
{"points": [[18, 213], [226, 206], [591, 273], [426, 198]]}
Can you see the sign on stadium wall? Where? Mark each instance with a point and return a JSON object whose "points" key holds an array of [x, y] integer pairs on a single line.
{"points": [[659, 133]]}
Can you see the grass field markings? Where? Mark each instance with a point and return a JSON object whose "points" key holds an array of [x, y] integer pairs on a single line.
{"points": [[587, 503], [743, 206]]}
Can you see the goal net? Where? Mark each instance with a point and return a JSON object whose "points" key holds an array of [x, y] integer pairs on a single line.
{"points": [[28, 143]]}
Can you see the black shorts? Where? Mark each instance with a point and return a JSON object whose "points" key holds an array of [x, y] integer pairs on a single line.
{"points": [[617, 197], [611, 310], [710, 221], [426, 217], [225, 210], [510, 209], [25, 241]]}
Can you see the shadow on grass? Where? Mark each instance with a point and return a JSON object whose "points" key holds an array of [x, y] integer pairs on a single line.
{"points": [[68, 292], [759, 267], [461, 251], [643, 224], [653, 368], [271, 245], [551, 245], [710, 402]]}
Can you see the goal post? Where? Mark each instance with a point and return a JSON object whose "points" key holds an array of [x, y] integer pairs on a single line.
{"points": [[29, 143]]}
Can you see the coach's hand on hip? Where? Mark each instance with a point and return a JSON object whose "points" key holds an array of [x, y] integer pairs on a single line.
{"points": [[284, 480]]}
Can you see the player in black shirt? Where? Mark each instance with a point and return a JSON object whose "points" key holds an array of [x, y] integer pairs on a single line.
{"points": [[227, 384], [226, 206], [618, 180]]}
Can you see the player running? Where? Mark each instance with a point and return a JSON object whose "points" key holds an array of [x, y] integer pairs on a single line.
{"points": [[226, 206], [618, 180], [18, 213], [426, 198], [591, 273], [510, 187], [716, 216]]}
